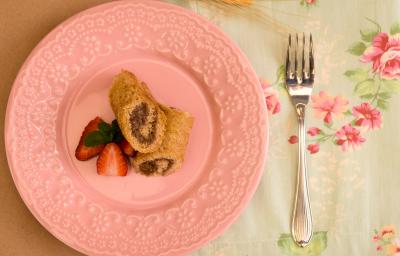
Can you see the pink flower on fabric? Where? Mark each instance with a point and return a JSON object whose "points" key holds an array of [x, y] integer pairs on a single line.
{"points": [[392, 249], [327, 107], [396, 246], [367, 116], [293, 139], [384, 53], [311, 1], [271, 97], [312, 131], [313, 148], [388, 232], [349, 138]]}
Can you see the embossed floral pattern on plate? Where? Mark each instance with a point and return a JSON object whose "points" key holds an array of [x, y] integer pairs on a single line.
{"points": [[87, 223]]}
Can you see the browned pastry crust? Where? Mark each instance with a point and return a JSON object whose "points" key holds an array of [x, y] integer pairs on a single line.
{"points": [[169, 157], [139, 116]]}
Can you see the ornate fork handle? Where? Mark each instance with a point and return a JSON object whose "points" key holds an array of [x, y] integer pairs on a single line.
{"points": [[299, 83], [301, 219]]}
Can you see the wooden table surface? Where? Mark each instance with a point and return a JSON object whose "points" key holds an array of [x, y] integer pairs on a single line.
{"points": [[23, 23], [352, 193]]}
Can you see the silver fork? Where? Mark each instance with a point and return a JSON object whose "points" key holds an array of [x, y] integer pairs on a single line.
{"points": [[299, 83]]}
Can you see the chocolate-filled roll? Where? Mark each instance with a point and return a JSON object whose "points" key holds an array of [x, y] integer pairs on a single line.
{"points": [[139, 116], [169, 157]]}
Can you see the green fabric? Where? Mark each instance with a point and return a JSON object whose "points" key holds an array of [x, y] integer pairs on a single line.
{"points": [[354, 194]]}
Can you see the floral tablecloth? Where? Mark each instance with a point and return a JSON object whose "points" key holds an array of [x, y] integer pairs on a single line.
{"points": [[353, 126]]}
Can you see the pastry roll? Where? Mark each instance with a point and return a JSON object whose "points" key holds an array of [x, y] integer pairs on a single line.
{"points": [[169, 157], [139, 116]]}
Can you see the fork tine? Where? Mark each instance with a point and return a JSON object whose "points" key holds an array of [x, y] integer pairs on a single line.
{"points": [[311, 56], [288, 69], [295, 59], [303, 61]]}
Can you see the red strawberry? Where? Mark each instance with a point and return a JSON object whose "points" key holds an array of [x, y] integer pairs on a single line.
{"points": [[127, 148], [112, 161], [83, 152]]}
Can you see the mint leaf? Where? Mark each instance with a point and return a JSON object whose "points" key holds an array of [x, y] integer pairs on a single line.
{"points": [[104, 127], [94, 139], [107, 133], [357, 75], [368, 35], [395, 28], [357, 48], [109, 137]]}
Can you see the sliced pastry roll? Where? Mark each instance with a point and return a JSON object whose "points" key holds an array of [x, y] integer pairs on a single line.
{"points": [[169, 157], [139, 116]]}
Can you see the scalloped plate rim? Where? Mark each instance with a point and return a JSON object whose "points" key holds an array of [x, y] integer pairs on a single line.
{"points": [[221, 226]]}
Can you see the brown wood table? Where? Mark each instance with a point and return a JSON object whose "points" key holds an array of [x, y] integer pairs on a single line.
{"points": [[23, 23]]}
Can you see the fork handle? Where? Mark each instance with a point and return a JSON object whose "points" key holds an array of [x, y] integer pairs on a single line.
{"points": [[301, 219]]}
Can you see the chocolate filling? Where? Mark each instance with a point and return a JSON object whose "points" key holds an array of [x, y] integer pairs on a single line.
{"points": [[157, 165], [138, 118]]}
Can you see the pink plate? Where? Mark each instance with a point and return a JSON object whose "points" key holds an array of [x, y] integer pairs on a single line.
{"points": [[187, 63]]}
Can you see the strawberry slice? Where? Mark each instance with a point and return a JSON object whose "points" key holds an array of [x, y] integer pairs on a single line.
{"points": [[83, 152], [112, 161], [127, 148]]}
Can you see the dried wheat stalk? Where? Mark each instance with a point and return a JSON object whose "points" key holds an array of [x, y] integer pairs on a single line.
{"points": [[250, 9]]}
